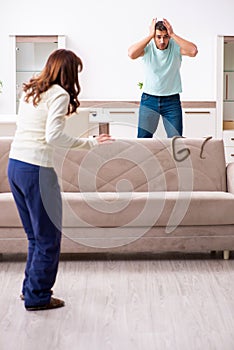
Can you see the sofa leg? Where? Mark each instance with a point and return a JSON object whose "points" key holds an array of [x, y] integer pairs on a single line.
{"points": [[226, 254]]}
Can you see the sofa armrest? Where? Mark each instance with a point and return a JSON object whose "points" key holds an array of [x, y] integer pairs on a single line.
{"points": [[230, 178]]}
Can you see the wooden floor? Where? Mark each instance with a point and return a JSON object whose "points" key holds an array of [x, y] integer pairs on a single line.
{"points": [[166, 302]]}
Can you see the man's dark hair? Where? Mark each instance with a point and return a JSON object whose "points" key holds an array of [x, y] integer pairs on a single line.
{"points": [[160, 26]]}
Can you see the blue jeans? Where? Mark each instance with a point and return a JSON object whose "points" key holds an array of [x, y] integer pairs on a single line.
{"points": [[151, 107], [38, 199]]}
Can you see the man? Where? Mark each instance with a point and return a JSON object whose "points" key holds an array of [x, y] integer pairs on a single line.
{"points": [[162, 52]]}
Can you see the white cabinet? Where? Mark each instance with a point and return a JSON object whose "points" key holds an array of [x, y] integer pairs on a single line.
{"points": [[120, 122], [228, 138], [7, 125], [29, 56], [123, 122], [199, 122], [228, 84], [225, 93], [228, 95]]}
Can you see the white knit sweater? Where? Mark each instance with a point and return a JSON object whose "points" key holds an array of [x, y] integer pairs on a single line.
{"points": [[40, 129]]}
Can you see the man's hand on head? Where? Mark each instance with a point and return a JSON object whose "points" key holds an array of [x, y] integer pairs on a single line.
{"points": [[168, 26], [152, 27]]}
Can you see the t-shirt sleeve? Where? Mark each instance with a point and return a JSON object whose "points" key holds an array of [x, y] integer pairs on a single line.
{"points": [[176, 48], [146, 51]]}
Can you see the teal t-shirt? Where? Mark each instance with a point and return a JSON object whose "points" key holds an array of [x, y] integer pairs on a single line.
{"points": [[162, 69]]}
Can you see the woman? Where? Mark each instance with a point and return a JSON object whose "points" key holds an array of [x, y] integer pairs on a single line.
{"points": [[46, 101]]}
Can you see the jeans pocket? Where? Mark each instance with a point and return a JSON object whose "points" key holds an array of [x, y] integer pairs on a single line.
{"points": [[145, 97]]}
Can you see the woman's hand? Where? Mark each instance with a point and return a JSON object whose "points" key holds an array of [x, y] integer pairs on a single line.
{"points": [[104, 138]]}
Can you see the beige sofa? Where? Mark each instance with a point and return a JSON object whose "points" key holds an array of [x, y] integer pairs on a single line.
{"points": [[141, 195]]}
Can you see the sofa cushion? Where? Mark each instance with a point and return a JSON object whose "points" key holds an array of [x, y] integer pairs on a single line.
{"points": [[9, 216], [134, 209], [105, 209], [144, 165]]}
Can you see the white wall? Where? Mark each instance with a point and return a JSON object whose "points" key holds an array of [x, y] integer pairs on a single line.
{"points": [[101, 32]]}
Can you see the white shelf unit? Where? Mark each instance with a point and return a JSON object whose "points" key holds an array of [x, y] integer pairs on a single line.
{"points": [[28, 56], [225, 93], [197, 122]]}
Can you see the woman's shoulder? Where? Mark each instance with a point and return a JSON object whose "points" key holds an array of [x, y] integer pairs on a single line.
{"points": [[56, 89], [53, 93]]}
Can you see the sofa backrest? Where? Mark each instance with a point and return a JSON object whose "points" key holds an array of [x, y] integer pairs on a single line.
{"points": [[5, 144], [136, 165], [144, 165]]}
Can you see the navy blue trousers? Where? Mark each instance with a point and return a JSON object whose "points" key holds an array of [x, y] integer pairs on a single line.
{"points": [[38, 198]]}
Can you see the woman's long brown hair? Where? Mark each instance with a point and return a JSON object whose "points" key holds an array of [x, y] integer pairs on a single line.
{"points": [[61, 68]]}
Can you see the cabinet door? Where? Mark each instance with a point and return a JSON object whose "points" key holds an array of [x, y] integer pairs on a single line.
{"points": [[30, 59], [199, 122], [228, 110], [30, 56], [123, 122], [229, 86], [229, 154]]}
